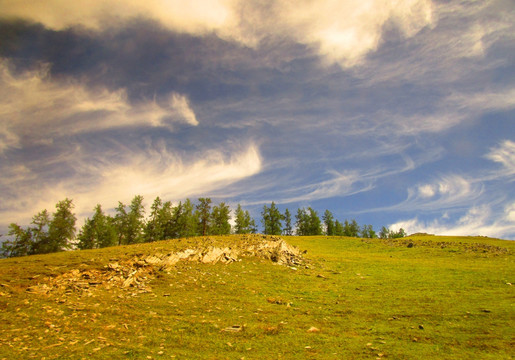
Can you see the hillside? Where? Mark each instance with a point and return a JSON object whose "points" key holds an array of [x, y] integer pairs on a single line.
{"points": [[257, 297]]}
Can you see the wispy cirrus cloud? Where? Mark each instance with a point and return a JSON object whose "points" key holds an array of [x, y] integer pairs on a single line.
{"points": [[486, 208], [478, 220], [37, 108], [453, 51], [447, 192], [107, 179], [504, 154]]}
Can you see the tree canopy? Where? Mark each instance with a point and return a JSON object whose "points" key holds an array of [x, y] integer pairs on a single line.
{"points": [[128, 225]]}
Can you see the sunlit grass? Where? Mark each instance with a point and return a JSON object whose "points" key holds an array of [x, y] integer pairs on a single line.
{"points": [[366, 299]]}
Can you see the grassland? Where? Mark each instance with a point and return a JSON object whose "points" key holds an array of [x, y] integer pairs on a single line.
{"points": [[424, 297]]}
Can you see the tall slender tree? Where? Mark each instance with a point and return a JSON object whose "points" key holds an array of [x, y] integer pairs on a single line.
{"points": [[61, 230], [220, 220], [129, 224], [87, 238], [154, 228], [39, 232], [315, 225], [244, 224], [204, 214], [271, 219], [328, 223], [338, 228], [21, 243], [288, 230], [384, 232], [367, 231], [351, 229]]}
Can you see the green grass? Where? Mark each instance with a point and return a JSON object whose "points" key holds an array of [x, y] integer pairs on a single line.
{"points": [[440, 298]]}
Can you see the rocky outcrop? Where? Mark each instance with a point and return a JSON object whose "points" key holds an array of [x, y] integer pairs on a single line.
{"points": [[139, 270]]}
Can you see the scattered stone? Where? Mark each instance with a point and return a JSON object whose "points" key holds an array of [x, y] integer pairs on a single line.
{"points": [[135, 273], [421, 327], [277, 301], [234, 328], [486, 310], [321, 276], [313, 330]]}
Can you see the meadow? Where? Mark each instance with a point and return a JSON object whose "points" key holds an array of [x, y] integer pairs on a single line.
{"points": [[429, 297]]}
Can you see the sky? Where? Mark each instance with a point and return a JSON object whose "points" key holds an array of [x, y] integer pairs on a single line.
{"points": [[396, 113]]}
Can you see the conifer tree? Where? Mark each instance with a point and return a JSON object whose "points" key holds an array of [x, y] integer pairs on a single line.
{"points": [[288, 230], [302, 222], [367, 231], [97, 232], [244, 224], [39, 232], [154, 228], [61, 229], [204, 215], [338, 228], [220, 220], [351, 229], [129, 224], [86, 238], [271, 219], [329, 223], [180, 220], [315, 225], [20, 245]]}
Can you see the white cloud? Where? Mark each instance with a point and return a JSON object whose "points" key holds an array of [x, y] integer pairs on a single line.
{"points": [[154, 172], [426, 191], [345, 31], [510, 212], [181, 105], [478, 220], [447, 192], [340, 184], [505, 155], [503, 99], [455, 48], [38, 108], [450, 111], [194, 16], [342, 32]]}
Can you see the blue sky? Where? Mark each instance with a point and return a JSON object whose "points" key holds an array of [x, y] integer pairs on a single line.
{"points": [[391, 113]]}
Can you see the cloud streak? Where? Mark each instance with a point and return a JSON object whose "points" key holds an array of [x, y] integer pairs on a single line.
{"points": [[504, 154], [488, 211], [36, 108], [479, 220], [154, 172]]}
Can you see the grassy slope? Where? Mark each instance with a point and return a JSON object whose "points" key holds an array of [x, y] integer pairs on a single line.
{"points": [[369, 299]]}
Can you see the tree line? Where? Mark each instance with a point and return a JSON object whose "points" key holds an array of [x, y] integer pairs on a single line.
{"points": [[47, 234]]}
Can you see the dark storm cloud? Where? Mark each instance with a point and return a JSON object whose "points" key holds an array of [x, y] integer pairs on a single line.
{"points": [[148, 60]]}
